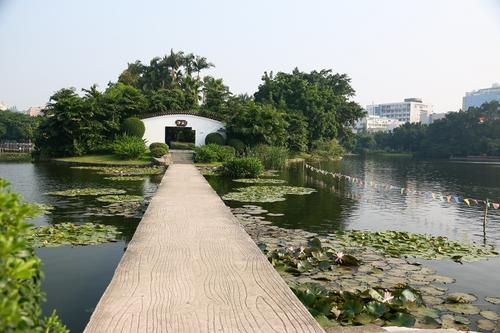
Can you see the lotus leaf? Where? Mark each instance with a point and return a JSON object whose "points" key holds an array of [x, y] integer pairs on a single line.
{"points": [[493, 300], [461, 298], [124, 178], [42, 209], [89, 191], [467, 309], [72, 234], [456, 322], [266, 193], [490, 315], [123, 171], [260, 181], [486, 325], [120, 198], [402, 319]]}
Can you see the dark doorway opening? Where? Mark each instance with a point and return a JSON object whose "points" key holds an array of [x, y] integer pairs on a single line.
{"points": [[179, 134]]}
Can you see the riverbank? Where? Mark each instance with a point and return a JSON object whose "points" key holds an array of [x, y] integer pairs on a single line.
{"points": [[105, 160], [15, 157]]}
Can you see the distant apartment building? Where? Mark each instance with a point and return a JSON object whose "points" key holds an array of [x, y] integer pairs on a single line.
{"points": [[437, 116], [476, 98], [372, 124], [412, 110], [34, 111]]}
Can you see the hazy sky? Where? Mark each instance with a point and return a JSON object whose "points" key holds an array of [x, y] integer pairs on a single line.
{"points": [[392, 49]]}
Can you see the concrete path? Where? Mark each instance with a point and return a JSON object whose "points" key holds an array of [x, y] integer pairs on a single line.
{"points": [[190, 267]]}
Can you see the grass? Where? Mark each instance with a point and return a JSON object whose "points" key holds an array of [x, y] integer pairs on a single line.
{"points": [[213, 164], [105, 160], [15, 157]]}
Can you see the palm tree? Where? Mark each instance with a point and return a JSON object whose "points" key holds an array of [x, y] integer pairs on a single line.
{"points": [[201, 63], [175, 60], [188, 63]]}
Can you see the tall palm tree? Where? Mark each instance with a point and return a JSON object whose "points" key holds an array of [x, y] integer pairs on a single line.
{"points": [[201, 63], [174, 60], [188, 63]]}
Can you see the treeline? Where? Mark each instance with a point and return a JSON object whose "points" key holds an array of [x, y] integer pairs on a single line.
{"points": [[465, 133], [294, 110], [18, 127]]}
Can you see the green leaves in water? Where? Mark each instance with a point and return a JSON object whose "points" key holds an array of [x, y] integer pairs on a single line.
{"points": [[123, 171], [120, 198], [73, 234], [403, 244], [42, 209], [375, 305], [88, 191], [266, 193], [124, 178], [259, 181]]}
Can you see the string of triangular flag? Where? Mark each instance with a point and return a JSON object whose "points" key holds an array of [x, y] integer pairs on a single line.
{"points": [[450, 198]]}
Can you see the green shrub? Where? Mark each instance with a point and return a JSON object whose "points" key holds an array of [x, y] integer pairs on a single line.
{"points": [[327, 149], [129, 147], [213, 153], [271, 157], [237, 144], [215, 138], [181, 145], [158, 149], [133, 127], [244, 167], [20, 274], [103, 148]]}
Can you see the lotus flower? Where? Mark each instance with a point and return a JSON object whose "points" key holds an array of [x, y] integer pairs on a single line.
{"points": [[387, 297], [339, 256]]}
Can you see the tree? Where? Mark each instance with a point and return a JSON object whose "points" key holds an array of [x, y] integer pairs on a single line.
{"points": [[201, 63], [127, 100], [215, 94], [321, 97], [16, 126]]}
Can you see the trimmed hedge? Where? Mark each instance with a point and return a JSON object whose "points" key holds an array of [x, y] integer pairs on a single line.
{"points": [[237, 144], [129, 147], [215, 138], [181, 145], [245, 167], [158, 149], [133, 127]]}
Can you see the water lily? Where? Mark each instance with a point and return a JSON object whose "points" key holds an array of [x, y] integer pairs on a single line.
{"points": [[387, 297], [339, 256]]}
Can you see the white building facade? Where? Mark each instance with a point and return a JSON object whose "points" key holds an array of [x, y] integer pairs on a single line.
{"points": [[372, 124], [164, 127], [412, 110], [477, 98]]}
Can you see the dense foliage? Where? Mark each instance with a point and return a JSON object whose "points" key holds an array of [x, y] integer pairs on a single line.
{"points": [[20, 270], [237, 144], [473, 132], [245, 167], [215, 138], [19, 127], [289, 110], [272, 157], [133, 126], [213, 153], [129, 147]]}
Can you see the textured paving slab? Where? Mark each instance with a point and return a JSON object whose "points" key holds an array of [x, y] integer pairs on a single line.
{"points": [[190, 267]]}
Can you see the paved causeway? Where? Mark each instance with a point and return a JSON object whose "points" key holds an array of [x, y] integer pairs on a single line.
{"points": [[190, 267]]}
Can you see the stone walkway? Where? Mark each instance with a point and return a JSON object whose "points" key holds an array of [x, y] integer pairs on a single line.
{"points": [[190, 267]]}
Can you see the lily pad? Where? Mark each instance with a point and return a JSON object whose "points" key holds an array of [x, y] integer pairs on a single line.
{"points": [[120, 198], [72, 234], [493, 300], [259, 181], [266, 193], [88, 191], [124, 178], [455, 322], [486, 325], [490, 315], [123, 171], [466, 309], [42, 208], [461, 298]]}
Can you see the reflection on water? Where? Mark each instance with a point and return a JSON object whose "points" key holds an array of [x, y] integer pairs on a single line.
{"points": [[75, 277]]}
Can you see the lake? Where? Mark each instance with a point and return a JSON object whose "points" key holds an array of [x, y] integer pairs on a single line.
{"points": [[75, 277]]}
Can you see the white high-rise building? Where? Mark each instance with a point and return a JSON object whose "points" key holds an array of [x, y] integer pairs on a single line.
{"points": [[372, 124], [412, 110], [477, 98]]}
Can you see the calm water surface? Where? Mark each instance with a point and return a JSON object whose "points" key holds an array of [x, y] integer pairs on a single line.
{"points": [[75, 277]]}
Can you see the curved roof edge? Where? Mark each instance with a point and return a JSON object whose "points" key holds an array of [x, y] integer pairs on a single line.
{"points": [[208, 115]]}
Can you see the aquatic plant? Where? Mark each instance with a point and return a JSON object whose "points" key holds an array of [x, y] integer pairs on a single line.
{"points": [[402, 243], [259, 181], [266, 193], [72, 234], [42, 209], [126, 209], [124, 178], [88, 191], [120, 198], [123, 171]]}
